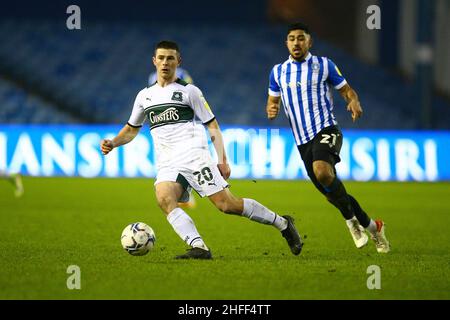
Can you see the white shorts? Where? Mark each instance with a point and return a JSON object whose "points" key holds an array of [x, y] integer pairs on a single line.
{"points": [[203, 177]]}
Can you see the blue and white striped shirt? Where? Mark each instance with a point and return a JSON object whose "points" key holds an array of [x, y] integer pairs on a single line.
{"points": [[305, 91]]}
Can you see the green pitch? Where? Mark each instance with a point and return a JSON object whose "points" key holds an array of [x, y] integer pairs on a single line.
{"points": [[61, 222]]}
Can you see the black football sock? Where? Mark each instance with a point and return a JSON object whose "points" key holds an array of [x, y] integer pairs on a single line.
{"points": [[360, 214], [337, 195]]}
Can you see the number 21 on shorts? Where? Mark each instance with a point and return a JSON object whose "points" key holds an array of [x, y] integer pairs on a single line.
{"points": [[326, 139]]}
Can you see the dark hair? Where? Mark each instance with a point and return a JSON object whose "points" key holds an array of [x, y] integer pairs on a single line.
{"points": [[298, 26], [165, 44]]}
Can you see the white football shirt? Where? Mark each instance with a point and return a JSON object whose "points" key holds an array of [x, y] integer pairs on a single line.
{"points": [[172, 112]]}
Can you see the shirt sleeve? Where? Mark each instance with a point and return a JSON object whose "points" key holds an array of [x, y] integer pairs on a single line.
{"points": [[274, 87], [335, 77], [200, 105], [137, 114]]}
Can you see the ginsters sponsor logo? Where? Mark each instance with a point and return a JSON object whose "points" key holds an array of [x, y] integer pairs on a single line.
{"points": [[170, 114]]}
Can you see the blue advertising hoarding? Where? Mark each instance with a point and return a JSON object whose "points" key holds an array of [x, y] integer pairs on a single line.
{"points": [[253, 153]]}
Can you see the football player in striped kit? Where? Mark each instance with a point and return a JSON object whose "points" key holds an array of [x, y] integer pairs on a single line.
{"points": [[303, 83]]}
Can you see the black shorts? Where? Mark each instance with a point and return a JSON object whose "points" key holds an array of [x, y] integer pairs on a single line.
{"points": [[325, 146]]}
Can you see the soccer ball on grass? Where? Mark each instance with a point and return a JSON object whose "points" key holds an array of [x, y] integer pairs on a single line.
{"points": [[138, 239]]}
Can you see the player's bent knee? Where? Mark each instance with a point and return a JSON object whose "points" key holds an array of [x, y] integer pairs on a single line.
{"points": [[325, 177], [166, 203], [227, 203]]}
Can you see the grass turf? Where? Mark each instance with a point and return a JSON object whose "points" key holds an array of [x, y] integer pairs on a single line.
{"points": [[72, 221]]}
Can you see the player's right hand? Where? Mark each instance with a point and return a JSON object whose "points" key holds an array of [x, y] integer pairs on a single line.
{"points": [[224, 169], [272, 111], [106, 146]]}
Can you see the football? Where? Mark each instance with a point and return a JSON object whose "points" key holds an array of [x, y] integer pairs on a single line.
{"points": [[138, 238]]}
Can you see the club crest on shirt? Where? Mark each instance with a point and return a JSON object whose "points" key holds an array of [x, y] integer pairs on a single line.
{"points": [[315, 67], [177, 96]]}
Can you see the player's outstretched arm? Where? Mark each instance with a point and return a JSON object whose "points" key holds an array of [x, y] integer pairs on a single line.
{"points": [[217, 140], [272, 107], [352, 100], [126, 134]]}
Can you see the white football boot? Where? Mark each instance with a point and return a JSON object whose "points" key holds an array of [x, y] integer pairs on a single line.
{"points": [[357, 231], [379, 238]]}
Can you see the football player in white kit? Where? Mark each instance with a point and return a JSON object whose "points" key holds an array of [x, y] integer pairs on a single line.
{"points": [[186, 77], [183, 160]]}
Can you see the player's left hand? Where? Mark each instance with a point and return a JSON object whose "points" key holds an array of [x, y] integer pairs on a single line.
{"points": [[224, 169], [355, 108]]}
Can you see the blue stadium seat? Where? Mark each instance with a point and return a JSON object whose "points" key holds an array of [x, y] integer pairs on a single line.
{"points": [[18, 106]]}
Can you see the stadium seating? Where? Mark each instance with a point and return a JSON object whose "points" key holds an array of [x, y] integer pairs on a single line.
{"points": [[96, 72], [19, 107]]}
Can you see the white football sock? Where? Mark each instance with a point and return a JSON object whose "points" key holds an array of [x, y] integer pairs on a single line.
{"points": [[372, 227], [184, 226], [257, 212]]}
